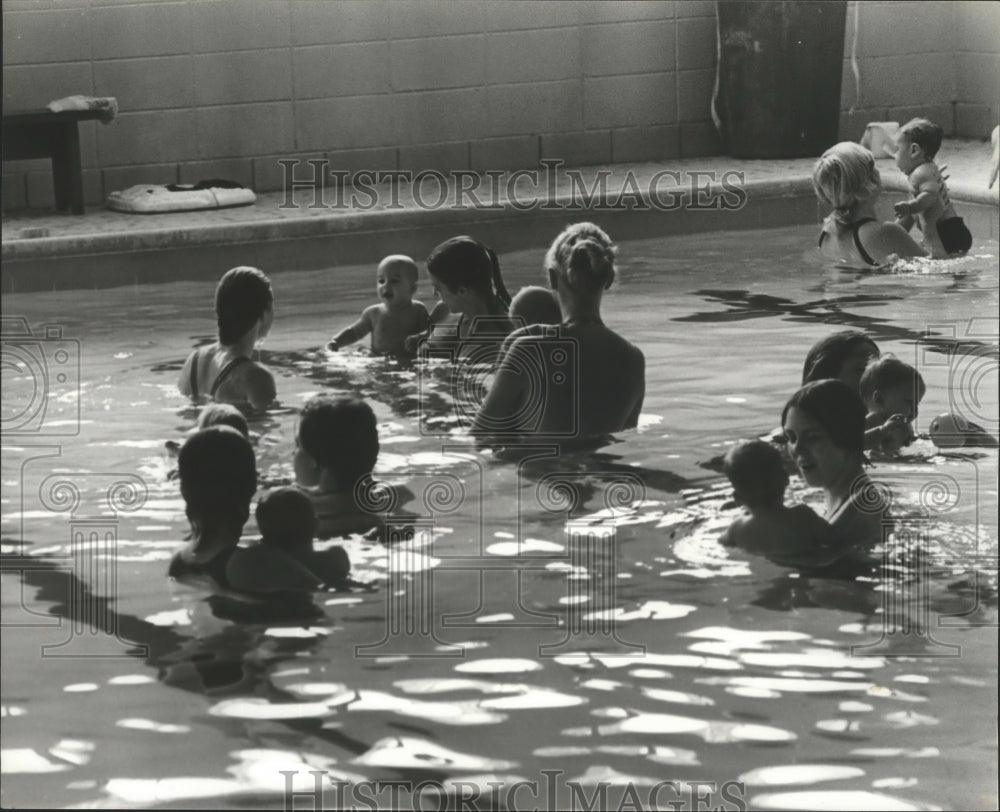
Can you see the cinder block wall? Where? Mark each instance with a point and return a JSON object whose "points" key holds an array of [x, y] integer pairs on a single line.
{"points": [[940, 60], [224, 88]]}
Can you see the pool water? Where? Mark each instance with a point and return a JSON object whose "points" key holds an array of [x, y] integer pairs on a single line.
{"points": [[571, 622]]}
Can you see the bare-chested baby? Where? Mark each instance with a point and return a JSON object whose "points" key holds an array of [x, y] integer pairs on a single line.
{"points": [[397, 316]]}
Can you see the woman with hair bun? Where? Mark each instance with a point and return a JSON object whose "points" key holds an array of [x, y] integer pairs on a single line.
{"points": [[224, 371], [845, 178], [576, 382]]}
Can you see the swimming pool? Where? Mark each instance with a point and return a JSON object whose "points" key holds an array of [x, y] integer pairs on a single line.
{"points": [[727, 675]]}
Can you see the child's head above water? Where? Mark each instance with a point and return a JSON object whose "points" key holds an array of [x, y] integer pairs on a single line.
{"points": [[582, 257], [917, 142], [223, 414], [844, 176], [396, 280], [463, 266], [757, 473], [890, 386], [843, 356], [337, 438], [218, 476], [285, 517], [535, 305], [242, 299]]}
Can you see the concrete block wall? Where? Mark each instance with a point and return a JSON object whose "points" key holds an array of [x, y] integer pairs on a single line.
{"points": [[213, 88], [226, 88], [938, 60]]}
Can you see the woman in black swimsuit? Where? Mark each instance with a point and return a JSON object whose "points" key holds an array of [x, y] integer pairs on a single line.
{"points": [[224, 371], [846, 179]]}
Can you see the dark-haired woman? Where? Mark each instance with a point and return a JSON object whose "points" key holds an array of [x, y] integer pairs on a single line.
{"points": [[824, 425], [224, 371], [466, 277]]}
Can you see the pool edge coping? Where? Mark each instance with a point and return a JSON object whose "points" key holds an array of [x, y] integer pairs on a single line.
{"points": [[406, 216]]}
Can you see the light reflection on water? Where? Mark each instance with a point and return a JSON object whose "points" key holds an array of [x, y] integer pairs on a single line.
{"points": [[727, 668]]}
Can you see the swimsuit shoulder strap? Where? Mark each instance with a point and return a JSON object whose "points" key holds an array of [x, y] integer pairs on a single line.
{"points": [[857, 239], [226, 371]]}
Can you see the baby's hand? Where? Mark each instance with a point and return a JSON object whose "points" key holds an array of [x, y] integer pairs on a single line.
{"points": [[897, 432], [903, 209], [333, 346]]}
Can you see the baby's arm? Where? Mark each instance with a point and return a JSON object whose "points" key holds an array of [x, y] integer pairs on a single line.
{"points": [[422, 317], [904, 221], [439, 313], [262, 569], [436, 316], [356, 331], [261, 390], [926, 181], [891, 435]]}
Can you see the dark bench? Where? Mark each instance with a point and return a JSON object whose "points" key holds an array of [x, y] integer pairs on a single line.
{"points": [[44, 134]]}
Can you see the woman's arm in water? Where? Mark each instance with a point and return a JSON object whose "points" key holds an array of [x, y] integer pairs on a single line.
{"points": [[889, 239], [633, 418], [494, 420]]}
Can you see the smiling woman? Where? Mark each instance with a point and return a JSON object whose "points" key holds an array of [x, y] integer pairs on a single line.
{"points": [[824, 423]]}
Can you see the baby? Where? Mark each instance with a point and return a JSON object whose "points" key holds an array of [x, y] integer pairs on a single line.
{"points": [[532, 309], [789, 536], [891, 390], [223, 414], [397, 317], [287, 522], [944, 232], [535, 305], [213, 414]]}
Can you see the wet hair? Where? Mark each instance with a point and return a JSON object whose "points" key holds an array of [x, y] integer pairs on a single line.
{"points": [[218, 476], [286, 516], [341, 435], [536, 305], [404, 263], [242, 297], [888, 372], [828, 355], [837, 408], [925, 134], [844, 176], [757, 473], [223, 414], [584, 256], [465, 262]]}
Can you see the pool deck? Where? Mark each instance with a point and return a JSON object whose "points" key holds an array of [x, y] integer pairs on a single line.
{"points": [[278, 217]]}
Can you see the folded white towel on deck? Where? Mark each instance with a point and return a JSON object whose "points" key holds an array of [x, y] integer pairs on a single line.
{"points": [[107, 105]]}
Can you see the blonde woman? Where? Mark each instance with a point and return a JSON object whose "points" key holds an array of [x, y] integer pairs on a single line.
{"points": [[577, 382], [846, 179]]}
